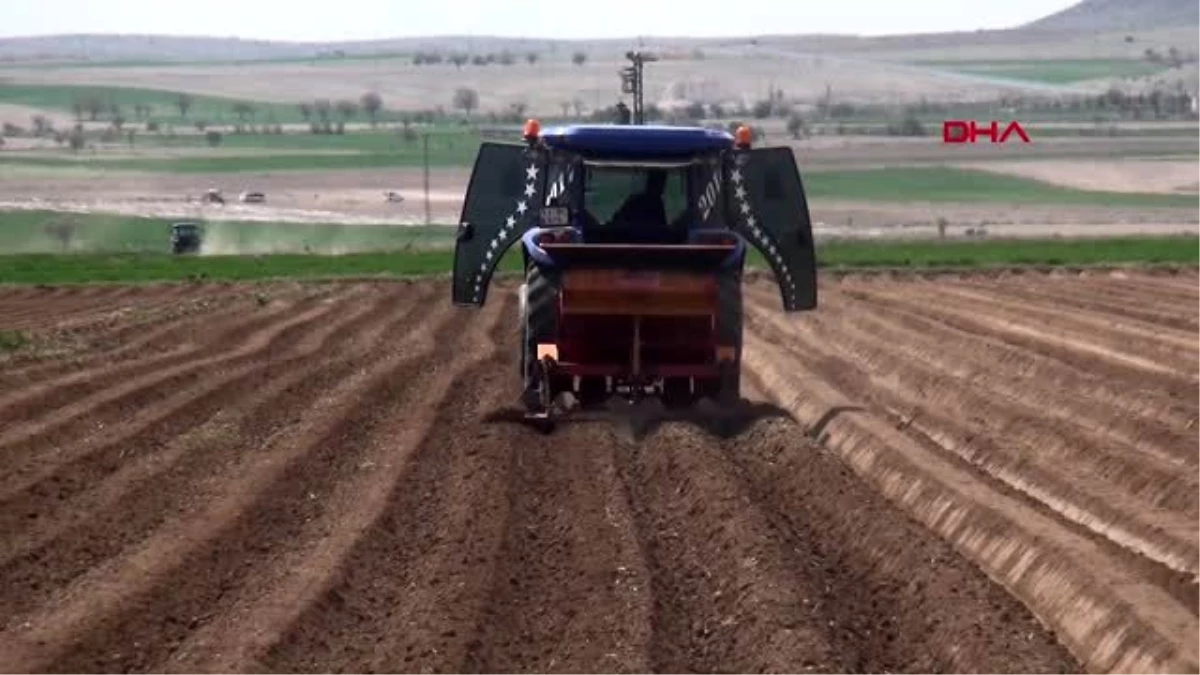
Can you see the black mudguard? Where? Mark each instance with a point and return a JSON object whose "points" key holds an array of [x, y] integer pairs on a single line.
{"points": [[766, 204], [503, 199]]}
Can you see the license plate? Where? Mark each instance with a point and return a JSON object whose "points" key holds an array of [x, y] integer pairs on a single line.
{"points": [[555, 216]]}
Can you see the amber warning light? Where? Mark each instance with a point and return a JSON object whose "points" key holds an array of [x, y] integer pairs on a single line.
{"points": [[742, 136], [532, 129]]}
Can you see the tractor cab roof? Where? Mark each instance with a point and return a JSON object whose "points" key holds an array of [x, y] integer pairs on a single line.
{"points": [[632, 143]]}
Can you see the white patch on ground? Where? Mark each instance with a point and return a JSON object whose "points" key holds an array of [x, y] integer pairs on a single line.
{"points": [[1124, 175]]}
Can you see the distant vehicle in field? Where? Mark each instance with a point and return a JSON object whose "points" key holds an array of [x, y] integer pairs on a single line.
{"points": [[186, 237], [213, 196], [393, 196], [253, 198]]}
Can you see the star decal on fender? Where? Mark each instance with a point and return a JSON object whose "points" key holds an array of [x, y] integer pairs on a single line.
{"points": [[510, 224], [759, 235]]}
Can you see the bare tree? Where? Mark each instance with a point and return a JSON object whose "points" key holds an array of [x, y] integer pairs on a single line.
{"points": [[95, 106], [347, 110], [184, 103], [531, 58], [306, 110], [324, 109], [372, 103], [467, 99], [41, 125], [796, 126], [577, 106], [76, 138], [79, 107], [213, 137], [459, 60], [579, 58], [243, 110], [517, 111]]}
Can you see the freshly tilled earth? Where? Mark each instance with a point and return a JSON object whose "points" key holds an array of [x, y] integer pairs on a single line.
{"points": [[952, 473]]}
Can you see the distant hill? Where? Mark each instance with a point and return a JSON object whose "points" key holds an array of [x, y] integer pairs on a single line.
{"points": [[1120, 15], [89, 47]]}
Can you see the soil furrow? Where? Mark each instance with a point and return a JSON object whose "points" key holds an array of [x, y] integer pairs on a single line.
{"points": [[1113, 331], [1077, 399], [728, 595], [141, 400], [190, 568], [993, 475], [1109, 618], [406, 595], [79, 309], [1054, 328], [56, 394], [179, 328], [1095, 299], [134, 489], [898, 595], [570, 591], [1018, 449], [394, 451], [981, 402], [1172, 385], [1184, 292]]}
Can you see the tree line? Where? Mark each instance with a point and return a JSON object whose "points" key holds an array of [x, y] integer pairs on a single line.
{"points": [[504, 58]]}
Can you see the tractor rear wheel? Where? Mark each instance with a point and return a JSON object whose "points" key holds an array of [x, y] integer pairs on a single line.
{"points": [[539, 319]]}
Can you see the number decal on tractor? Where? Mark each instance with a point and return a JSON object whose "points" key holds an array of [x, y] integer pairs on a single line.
{"points": [[555, 216]]}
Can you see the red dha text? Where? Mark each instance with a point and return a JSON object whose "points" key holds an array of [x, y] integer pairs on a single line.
{"points": [[969, 131]]}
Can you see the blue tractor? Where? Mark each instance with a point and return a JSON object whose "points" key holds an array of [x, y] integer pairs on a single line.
{"points": [[634, 240]]}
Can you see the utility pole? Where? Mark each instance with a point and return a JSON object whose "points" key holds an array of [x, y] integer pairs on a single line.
{"points": [[632, 82], [425, 142]]}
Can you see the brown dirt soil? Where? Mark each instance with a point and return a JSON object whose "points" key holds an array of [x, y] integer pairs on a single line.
{"points": [[950, 474]]}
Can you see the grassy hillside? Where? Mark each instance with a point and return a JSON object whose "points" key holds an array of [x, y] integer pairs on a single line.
{"points": [[1114, 15]]}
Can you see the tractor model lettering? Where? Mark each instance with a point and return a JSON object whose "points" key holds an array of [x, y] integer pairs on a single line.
{"points": [[969, 131], [709, 197]]}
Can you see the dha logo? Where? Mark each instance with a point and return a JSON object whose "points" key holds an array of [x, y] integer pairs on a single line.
{"points": [[969, 131]]}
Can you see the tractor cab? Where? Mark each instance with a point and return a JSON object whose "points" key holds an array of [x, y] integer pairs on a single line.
{"points": [[186, 237], [637, 192]]}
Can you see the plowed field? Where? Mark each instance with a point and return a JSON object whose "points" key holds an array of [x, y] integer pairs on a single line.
{"points": [[960, 473]]}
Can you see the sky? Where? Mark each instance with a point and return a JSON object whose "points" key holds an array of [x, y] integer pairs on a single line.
{"points": [[371, 19]]}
